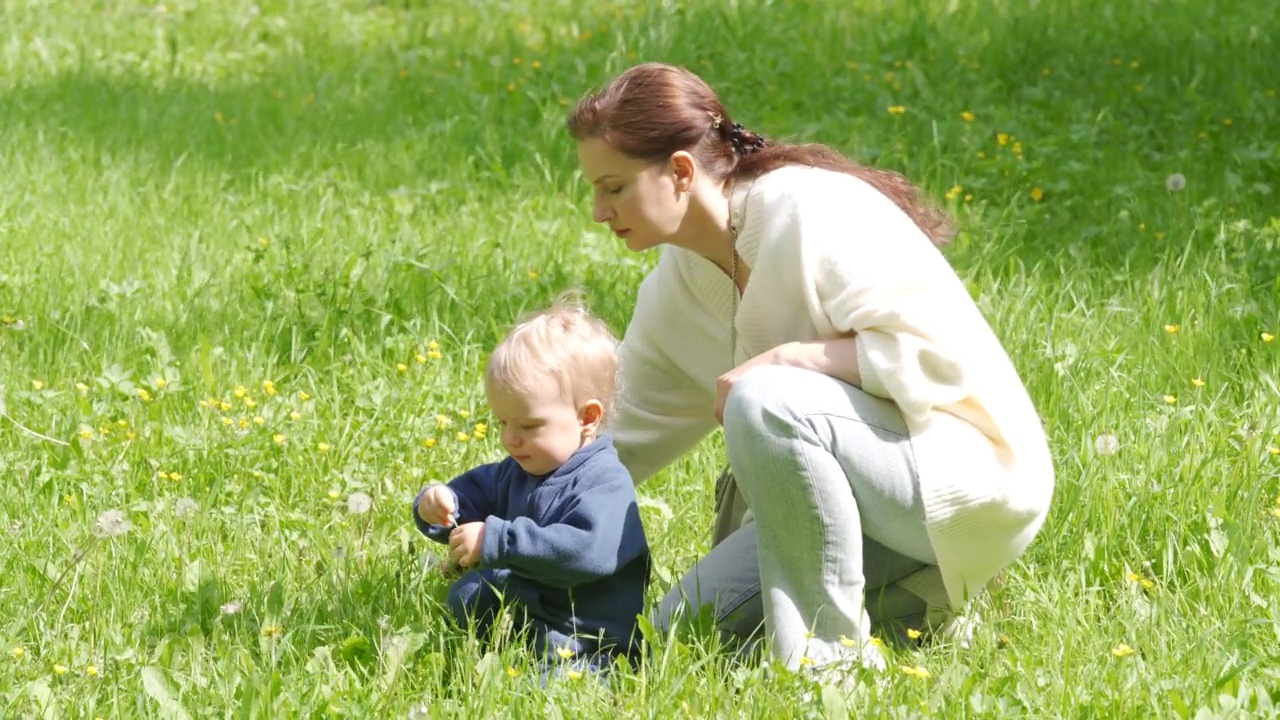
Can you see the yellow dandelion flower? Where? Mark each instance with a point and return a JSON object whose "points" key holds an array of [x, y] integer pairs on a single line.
{"points": [[1002, 139], [334, 494], [1160, 234], [1170, 399], [259, 420], [1226, 121], [277, 438], [480, 430], [303, 396], [443, 421], [967, 116], [573, 674], [1268, 337], [463, 437], [434, 354], [295, 415], [1146, 582], [533, 274], [913, 633], [1017, 148], [432, 345], [142, 393], [272, 631], [59, 669], [241, 391], [806, 661], [91, 670], [401, 367], [244, 423], [160, 383], [955, 192], [227, 421], [17, 652], [82, 388], [1122, 651], [565, 652], [512, 672], [1197, 382], [429, 442], [323, 447], [420, 358], [897, 109], [1171, 329], [175, 476], [122, 423], [1273, 450], [224, 406], [269, 387], [87, 434], [918, 671], [250, 403], [511, 87], [537, 64], [1037, 194]]}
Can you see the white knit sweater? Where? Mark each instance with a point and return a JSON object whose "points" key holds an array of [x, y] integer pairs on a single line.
{"points": [[830, 256]]}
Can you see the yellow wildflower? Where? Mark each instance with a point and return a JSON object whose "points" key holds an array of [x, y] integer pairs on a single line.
{"points": [[1122, 651], [277, 438], [806, 661], [1197, 382], [17, 652], [897, 109], [573, 674], [82, 388], [1037, 194], [323, 447], [533, 274], [142, 393], [1171, 329], [160, 383], [250, 403], [565, 652], [87, 434], [463, 437], [967, 116], [1170, 399], [429, 442], [272, 631], [1002, 138], [847, 641], [259, 420], [269, 387], [913, 633], [401, 367], [1268, 337], [919, 672], [91, 670], [303, 396], [295, 415], [443, 421], [59, 669], [434, 354], [512, 672], [241, 391], [334, 495], [420, 358]]}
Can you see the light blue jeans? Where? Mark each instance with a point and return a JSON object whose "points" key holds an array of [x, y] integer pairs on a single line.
{"points": [[829, 475]]}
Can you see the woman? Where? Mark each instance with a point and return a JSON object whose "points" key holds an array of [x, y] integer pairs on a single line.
{"points": [[888, 455]]}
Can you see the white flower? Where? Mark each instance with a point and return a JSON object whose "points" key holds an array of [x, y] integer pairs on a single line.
{"points": [[231, 608], [1175, 182], [185, 507], [359, 503], [1106, 444], [111, 523]]}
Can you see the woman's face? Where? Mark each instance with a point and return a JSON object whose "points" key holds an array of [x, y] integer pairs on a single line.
{"points": [[640, 201]]}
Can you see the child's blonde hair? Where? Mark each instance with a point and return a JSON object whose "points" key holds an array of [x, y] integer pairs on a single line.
{"points": [[564, 344]]}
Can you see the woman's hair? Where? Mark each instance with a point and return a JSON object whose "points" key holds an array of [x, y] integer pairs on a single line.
{"points": [[653, 110], [563, 344]]}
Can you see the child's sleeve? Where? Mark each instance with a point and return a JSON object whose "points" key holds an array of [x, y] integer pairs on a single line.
{"points": [[478, 493], [596, 533]]}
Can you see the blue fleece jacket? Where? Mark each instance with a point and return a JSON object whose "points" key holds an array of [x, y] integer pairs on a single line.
{"points": [[572, 540]]}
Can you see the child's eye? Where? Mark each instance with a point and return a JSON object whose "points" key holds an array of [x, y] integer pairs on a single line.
{"points": [[615, 191]]}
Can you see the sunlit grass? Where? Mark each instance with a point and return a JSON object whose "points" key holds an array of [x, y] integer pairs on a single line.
{"points": [[252, 258]]}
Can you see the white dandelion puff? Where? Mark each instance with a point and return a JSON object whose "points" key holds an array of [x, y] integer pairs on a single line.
{"points": [[1106, 444], [111, 523], [1175, 182], [230, 608], [186, 507], [359, 503]]}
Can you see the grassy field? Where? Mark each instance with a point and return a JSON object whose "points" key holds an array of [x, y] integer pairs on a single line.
{"points": [[252, 257]]}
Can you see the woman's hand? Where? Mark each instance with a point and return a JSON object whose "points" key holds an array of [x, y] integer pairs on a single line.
{"points": [[724, 384], [837, 358]]}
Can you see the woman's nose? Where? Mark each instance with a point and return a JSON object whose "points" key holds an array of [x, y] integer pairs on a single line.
{"points": [[601, 212]]}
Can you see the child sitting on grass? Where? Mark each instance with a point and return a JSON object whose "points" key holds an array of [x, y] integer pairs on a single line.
{"points": [[552, 532]]}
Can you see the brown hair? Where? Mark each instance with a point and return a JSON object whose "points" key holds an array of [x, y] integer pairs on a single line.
{"points": [[653, 110], [563, 344]]}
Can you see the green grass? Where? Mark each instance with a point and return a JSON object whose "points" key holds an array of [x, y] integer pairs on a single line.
{"points": [[197, 197]]}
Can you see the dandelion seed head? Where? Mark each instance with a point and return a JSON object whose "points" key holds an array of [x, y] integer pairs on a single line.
{"points": [[186, 507], [1175, 182], [359, 503], [1106, 444], [111, 523], [230, 608]]}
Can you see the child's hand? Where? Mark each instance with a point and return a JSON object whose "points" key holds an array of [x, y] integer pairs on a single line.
{"points": [[465, 543], [437, 506]]}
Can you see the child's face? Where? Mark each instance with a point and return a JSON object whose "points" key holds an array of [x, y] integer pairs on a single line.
{"points": [[540, 429]]}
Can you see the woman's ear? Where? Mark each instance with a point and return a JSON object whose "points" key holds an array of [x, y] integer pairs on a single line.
{"points": [[591, 416], [683, 169]]}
